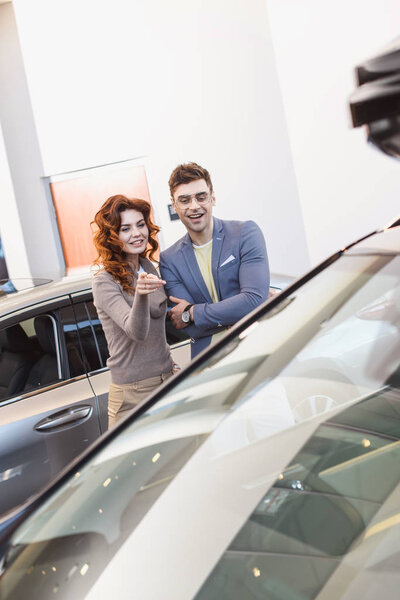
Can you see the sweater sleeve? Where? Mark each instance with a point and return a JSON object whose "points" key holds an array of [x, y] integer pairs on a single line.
{"points": [[133, 320]]}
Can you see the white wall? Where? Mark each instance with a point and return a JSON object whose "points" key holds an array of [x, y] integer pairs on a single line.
{"points": [[255, 91], [10, 229], [32, 246], [175, 81], [346, 188]]}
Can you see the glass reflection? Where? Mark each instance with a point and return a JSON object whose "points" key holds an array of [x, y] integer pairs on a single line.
{"points": [[316, 358], [318, 510]]}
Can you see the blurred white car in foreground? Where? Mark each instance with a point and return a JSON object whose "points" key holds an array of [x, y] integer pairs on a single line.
{"points": [[268, 468]]}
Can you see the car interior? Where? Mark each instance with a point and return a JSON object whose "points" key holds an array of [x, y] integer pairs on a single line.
{"points": [[45, 369], [28, 356], [15, 360]]}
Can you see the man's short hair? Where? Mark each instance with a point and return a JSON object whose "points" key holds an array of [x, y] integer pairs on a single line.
{"points": [[186, 173]]}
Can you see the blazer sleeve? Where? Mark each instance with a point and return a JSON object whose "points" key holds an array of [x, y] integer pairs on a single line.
{"points": [[175, 287], [254, 279], [133, 320]]}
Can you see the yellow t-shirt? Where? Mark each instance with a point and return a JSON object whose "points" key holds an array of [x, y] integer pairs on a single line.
{"points": [[203, 256]]}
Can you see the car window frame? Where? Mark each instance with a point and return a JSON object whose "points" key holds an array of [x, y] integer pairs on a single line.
{"points": [[64, 345], [49, 308], [85, 296], [92, 329]]}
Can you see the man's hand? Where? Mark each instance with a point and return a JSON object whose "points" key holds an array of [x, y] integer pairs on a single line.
{"points": [[175, 312]]}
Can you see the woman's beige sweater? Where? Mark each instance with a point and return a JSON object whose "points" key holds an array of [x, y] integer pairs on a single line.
{"points": [[134, 326]]}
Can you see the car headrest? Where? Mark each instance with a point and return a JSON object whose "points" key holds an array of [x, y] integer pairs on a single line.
{"points": [[45, 334], [14, 339]]}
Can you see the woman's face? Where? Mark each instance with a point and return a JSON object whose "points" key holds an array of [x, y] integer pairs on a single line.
{"points": [[133, 231]]}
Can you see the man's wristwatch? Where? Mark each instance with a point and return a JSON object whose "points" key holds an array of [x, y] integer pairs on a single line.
{"points": [[185, 316]]}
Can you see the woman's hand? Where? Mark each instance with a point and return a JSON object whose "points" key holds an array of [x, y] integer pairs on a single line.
{"points": [[148, 283]]}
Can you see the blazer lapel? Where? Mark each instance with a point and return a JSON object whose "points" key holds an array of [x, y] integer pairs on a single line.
{"points": [[193, 267], [218, 240]]}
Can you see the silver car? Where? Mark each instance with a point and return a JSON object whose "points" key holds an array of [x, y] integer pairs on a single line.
{"points": [[53, 380], [268, 468]]}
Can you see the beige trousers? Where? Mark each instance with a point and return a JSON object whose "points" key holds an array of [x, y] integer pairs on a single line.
{"points": [[123, 397]]}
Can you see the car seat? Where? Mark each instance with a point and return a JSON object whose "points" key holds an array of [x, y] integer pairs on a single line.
{"points": [[45, 370], [15, 360]]}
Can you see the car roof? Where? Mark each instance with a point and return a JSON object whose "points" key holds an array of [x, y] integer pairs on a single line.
{"points": [[69, 284]]}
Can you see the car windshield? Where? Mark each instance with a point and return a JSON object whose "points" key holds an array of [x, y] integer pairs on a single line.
{"points": [[271, 471]]}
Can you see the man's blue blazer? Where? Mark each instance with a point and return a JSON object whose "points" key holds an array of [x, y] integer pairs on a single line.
{"points": [[241, 275]]}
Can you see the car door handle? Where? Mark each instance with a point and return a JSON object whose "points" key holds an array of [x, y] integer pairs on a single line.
{"points": [[64, 418]]}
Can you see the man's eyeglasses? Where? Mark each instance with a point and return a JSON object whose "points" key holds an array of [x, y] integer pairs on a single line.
{"points": [[201, 198]]}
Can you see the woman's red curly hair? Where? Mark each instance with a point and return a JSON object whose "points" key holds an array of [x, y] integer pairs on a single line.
{"points": [[111, 256]]}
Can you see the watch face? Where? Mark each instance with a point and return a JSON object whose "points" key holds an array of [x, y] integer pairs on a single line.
{"points": [[185, 316]]}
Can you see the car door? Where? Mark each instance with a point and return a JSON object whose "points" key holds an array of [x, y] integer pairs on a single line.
{"points": [[48, 412]]}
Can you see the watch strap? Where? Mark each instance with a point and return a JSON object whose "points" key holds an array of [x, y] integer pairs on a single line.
{"points": [[187, 308]]}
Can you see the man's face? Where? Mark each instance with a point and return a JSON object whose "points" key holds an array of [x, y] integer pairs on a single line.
{"points": [[193, 202]]}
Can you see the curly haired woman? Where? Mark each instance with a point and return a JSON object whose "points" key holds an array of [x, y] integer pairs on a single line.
{"points": [[131, 302]]}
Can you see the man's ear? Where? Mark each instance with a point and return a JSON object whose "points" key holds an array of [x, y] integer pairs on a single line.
{"points": [[212, 199]]}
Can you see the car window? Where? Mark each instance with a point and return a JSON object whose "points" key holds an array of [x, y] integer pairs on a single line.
{"points": [[84, 333], [88, 340], [267, 469], [337, 484], [29, 355], [98, 332], [77, 361]]}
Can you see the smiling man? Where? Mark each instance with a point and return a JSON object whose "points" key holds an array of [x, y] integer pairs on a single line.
{"points": [[218, 272]]}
